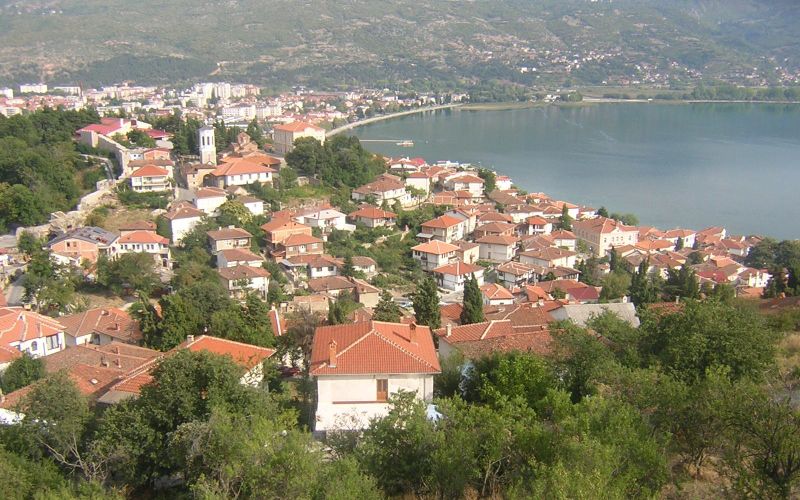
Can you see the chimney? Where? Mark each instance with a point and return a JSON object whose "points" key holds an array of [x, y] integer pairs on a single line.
{"points": [[413, 335], [332, 354], [104, 312], [115, 350], [189, 339], [104, 362], [117, 362], [116, 326], [449, 329], [540, 302]]}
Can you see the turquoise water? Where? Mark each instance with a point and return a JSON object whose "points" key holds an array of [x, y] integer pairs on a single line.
{"points": [[681, 165]]}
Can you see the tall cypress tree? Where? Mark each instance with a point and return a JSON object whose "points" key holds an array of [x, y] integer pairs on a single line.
{"points": [[426, 304], [473, 303]]}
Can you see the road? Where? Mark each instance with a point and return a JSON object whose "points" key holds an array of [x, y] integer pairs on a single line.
{"points": [[374, 119], [106, 162], [15, 292]]}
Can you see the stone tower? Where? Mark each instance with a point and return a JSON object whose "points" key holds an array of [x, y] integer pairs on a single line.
{"points": [[208, 150]]}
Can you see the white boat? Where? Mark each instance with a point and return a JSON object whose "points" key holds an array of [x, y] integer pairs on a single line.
{"points": [[408, 143]]}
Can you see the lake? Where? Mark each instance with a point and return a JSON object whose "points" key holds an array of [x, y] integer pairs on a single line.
{"points": [[672, 165]]}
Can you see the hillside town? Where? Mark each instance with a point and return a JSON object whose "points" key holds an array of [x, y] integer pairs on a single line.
{"points": [[302, 258], [534, 260]]}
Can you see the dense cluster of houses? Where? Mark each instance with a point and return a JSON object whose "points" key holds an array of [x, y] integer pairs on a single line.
{"points": [[514, 244]]}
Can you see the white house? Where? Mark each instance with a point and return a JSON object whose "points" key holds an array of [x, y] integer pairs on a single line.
{"points": [[601, 234], [433, 254], [453, 276], [182, 219], [241, 171], [148, 242], [465, 181], [151, 178], [497, 248], [386, 187], [325, 219], [24, 331], [548, 257], [238, 257], [357, 368], [227, 238], [241, 279], [496, 295], [445, 228], [254, 205], [209, 199], [373, 217]]}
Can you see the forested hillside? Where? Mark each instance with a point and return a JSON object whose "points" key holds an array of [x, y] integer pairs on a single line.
{"points": [[418, 43]]}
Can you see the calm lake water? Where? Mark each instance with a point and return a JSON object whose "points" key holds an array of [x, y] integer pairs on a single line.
{"points": [[682, 165]]}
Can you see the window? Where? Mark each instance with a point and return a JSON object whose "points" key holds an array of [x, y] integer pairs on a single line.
{"points": [[34, 346], [383, 389], [52, 342]]}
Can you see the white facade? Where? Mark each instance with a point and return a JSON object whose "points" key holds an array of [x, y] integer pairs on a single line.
{"points": [[150, 183], [210, 204], [496, 252], [456, 282], [43, 346], [430, 261], [349, 402], [245, 179], [180, 227]]}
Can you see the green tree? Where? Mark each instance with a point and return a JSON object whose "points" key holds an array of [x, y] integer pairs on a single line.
{"points": [[682, 284], [679, 244], [615, 285], [130, 271], [565, 222], [426, 304], [708, 334], [22, 372], [489, 179], [643, 290], [337, 315], [602, 212], [387, 309], [348, 270], [473, 303], [255, 133]]}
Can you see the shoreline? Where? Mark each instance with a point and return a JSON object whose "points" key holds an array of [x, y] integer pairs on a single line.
{"points": [[511, 106], [375, 119]]}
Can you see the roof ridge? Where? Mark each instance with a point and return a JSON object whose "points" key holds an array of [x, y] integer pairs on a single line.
{"points": [[401, 348]]}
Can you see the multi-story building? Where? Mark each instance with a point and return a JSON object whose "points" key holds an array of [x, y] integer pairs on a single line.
{"points": [[285, 135]]}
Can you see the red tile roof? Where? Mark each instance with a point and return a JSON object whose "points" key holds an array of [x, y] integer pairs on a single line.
{"points": [[442, 222], [113, 322], [300, 239], [245, 355], [143, 237], [18, 325], [257, 164], [435, 247], [374, 348], [296, 127], [370, 212], [493, 291], [150, 171], [242, 272], [228, 233], [457, 268]]}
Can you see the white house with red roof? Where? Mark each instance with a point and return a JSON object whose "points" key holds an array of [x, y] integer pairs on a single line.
{"points": [[444, 228], [496, 248], [183, 217], [148, 242], [151, 178], [386, 187], [240, 280], [373, 217], [465, 181], [284, 135], [548, 257], [242, 171], [453, 276], [358, 366], [434, 254], [24, 331], [209, 199], [101, 326], [601, 234], [238, 257], [496, 295]]}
